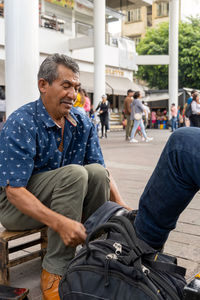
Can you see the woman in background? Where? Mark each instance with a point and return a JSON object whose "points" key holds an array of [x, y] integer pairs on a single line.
{"points": [[80, 100], [87, 105], [195, 105], [136, 110], [103, 107]]}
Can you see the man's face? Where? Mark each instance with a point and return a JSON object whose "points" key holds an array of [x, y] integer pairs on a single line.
{"points": [[131, 94], [59, 97]]}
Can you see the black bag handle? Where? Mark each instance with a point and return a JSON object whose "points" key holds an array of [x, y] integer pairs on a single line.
{"points": [[106, 228], [165, 267]]}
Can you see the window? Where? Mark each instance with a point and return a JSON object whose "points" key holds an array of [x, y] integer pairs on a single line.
{"points": [[149, 16], [134, 15], [136, 39], [162, 9]]}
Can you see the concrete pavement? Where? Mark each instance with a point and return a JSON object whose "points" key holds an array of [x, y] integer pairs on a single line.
{"points": [[131, 166]]}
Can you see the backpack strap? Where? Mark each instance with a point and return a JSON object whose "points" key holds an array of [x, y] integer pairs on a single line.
{"points": [[165, 267]]}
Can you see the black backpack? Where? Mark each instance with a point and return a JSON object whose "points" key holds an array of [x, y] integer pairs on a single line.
{"points": [[115, 265], [188, 111]]}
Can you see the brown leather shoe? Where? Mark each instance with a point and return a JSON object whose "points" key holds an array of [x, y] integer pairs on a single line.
{"points": [[49, 285]]}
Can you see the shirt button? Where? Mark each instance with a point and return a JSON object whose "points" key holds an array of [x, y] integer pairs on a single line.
{"points": [[58, 139]]}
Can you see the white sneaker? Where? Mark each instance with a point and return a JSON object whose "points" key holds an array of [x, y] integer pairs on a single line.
{"points": [[133, 141], [149, 139]]}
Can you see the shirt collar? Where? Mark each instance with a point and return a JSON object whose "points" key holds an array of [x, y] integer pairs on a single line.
{"points": [[46, 118]]}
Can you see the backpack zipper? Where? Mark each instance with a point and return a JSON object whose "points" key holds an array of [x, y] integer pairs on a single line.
{"points": [[140, 284]]}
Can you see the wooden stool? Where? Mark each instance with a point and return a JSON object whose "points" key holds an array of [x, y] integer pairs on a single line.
{"points": [[6, 236]]}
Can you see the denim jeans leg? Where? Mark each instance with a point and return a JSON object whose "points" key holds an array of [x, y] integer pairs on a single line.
{"points": [[171, 187], [135, 126], [143, 129], [174, 121]]}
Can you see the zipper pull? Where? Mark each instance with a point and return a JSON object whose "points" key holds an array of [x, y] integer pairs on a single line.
{"points": [[111, 256], [118, 248], [145, 270]]}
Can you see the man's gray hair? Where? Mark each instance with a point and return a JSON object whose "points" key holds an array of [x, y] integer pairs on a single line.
{"points": [[48, 68]]}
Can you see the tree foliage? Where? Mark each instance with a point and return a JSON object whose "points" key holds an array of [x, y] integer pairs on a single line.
{"points": [[156, 43]]}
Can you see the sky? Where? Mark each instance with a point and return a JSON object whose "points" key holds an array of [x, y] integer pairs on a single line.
{"points": [[115, 27], [190, 7]]}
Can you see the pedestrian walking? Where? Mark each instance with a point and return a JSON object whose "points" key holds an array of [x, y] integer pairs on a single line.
{"points": [[103, 107], [127, 113], [136, 114], [174, 113], [145, 115]]}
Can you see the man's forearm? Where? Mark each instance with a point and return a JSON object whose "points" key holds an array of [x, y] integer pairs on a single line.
{"points": [[71, 232]]}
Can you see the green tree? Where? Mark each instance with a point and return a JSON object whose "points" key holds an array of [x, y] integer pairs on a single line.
{"points": [[156, 42]]}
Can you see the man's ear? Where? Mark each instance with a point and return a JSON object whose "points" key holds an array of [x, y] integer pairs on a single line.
{"points": [[42, 85]]}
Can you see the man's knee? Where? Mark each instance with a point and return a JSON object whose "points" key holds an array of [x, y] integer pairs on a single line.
{"points": [[73, 174], [97, 172]]}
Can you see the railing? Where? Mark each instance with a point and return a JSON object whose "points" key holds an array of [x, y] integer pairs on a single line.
{"points": [[83, 29], [111, 40], [55, 22]]}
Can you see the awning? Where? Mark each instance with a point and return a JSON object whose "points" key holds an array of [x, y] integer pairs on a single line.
{"points": [[158, 97], [114, 85], [121, 85], [87, 82]]}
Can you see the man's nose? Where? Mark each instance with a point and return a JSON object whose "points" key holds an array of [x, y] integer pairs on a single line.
{"points": [[71, 93]]}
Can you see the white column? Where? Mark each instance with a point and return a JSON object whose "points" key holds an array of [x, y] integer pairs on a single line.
{"points": [[99, 50], [173, 51], [22, 52], [73, 23]]}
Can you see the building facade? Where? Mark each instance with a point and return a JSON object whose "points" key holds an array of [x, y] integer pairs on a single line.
{"points": [[66, 20], [138, 20]]}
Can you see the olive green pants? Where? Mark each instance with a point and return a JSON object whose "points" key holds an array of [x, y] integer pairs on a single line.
{"points": [[129, 126], [73, 191]]}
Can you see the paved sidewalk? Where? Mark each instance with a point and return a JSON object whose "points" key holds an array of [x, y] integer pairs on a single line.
{"points": [[131, 166]]}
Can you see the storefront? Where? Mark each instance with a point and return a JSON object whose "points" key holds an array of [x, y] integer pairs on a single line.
{"points": [[116, 86]]}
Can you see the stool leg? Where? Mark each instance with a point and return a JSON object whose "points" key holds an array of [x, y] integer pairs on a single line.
{"points": [[4, 270], [43, 242]]}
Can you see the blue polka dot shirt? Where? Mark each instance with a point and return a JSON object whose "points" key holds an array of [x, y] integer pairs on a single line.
{"points": [[30, 139]]}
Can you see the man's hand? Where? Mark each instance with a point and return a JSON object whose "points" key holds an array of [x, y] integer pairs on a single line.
{"points": [[72, 232]]}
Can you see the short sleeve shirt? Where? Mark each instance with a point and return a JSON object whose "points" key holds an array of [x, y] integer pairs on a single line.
{"points": [[30, 140]]}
